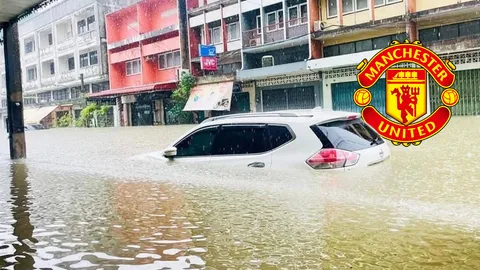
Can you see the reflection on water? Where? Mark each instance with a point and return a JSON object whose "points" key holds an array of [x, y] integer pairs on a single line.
{"points": [[82, 201]]}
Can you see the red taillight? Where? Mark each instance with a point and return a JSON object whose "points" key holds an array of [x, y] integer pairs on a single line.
{"points": [[351, 117], [333, 159]]}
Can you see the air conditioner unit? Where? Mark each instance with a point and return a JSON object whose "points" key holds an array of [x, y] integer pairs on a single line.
{"points": [[254, 42], [150, 58], [318, 26], [182, 71], [268, 61]]}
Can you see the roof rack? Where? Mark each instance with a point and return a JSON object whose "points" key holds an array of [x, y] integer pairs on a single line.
{"points": [[262, 114]]}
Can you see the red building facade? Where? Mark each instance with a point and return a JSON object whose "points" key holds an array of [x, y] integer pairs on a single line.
{"points": [[144, 58]]}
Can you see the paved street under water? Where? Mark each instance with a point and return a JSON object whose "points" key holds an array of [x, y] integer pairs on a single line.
{"points": [[81, 200]]}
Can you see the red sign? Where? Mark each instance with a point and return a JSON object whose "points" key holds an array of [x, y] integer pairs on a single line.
{"points": [[208, 63]]}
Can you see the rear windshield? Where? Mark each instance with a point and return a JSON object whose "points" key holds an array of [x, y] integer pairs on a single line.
{"points": [[349, 135]]}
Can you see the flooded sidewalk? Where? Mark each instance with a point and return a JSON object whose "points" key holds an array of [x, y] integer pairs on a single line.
{"points": [[82, 201]]}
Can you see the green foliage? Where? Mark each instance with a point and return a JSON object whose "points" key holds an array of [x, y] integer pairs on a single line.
{"points": [[65, 121], [93, 111], [180, 96]]}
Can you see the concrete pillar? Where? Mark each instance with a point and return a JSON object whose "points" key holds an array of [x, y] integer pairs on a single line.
{"points": [[126, 115], [340, 12], [316, 46], [13, 74], [327, 95], [224, 30]]}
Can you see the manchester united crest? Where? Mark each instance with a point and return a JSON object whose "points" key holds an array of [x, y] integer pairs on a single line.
{"points": [[406, 96]]}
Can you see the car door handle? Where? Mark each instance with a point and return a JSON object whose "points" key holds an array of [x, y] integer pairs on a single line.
{"points": [[257, 165]]}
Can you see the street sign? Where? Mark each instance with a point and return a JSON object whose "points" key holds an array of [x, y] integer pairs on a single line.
{"points": [[208, 63], [207, 50]]}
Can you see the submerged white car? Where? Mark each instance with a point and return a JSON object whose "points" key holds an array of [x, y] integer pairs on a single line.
{"points": [[307, 139]]}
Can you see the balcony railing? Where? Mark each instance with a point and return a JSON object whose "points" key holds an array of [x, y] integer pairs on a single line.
{"points": [[31, 85], [47, 51], [297, 27], [273, 32], [66, 44], [87, 38], [48, 80], [66, 76], [90, 71], [252, 38]]}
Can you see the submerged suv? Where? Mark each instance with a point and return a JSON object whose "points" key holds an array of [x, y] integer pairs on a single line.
{"points": [[308, 139]]}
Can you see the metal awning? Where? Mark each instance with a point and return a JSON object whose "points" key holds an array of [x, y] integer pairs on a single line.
{"points": [[35, 115], [13, 9], [340, 61], [210, 97], [166, 86]]}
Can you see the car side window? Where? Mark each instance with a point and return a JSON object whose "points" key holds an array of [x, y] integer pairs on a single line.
{"points": [[239, 140], [279, 135], [197, 144]]}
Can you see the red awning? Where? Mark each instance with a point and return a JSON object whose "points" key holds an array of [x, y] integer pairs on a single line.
{"points": [[135, 89]]}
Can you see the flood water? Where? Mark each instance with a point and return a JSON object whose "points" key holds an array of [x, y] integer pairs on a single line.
{"points": [[85, 200]]}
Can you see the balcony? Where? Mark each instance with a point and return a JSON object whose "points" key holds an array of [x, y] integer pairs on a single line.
{"points": [[48, 80], [66, 44], [90, 71], [31, 85], [87, 38], [252, 38], [30, 58], [297, 27], [67, 76], [273, 32], [46, 52]]}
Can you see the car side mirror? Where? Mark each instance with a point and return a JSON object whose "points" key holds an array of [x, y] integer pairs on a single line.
{"points": [[170, 152]]}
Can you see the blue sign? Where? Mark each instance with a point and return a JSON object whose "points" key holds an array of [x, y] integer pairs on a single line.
{"points": [[207, 50]]}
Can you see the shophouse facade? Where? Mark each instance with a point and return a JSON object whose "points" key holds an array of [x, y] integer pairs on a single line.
{"points": [[144, 60], [353, 30]]}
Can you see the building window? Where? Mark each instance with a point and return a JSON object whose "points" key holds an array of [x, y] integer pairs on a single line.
{"points": [[71, 63], [98, 87], [82, 27], [50, 39], [274, 20], [84, 60], [76, 92], [31, 74], [202, 36], [233, 31], [4, 103], [361, 4], [60, 94], [363, 45], [52, 68], [303, 13], [169, 60], [93, 58], [383, 2], [332, 8], [215, 35], [29, 46], [348, 6], [45, 97], [297, 14], [88, 59], [134, 67], [29, 100], [91, 23], [259, 25]]}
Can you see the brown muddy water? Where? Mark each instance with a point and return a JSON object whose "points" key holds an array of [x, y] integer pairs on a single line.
{"points": [[82, 201]]}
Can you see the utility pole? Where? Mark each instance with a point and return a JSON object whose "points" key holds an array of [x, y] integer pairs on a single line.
{"points": [[82, 86], [13, 74], [183, 29]]}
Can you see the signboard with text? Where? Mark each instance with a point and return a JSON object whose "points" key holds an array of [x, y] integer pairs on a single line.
{"points": [[208, 63], [207, 50]]}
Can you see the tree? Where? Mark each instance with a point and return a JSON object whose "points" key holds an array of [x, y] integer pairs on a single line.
{"points": [[180, 96], [93, 112]]}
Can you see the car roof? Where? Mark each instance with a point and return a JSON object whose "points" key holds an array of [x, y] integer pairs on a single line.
{"points": [[308, 116]]}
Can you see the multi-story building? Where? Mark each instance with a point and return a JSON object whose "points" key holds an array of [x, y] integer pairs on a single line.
{"points": [[350, 31], [217, 23], [63, 56], [144, 58], [3, 91], [275, 47]]}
